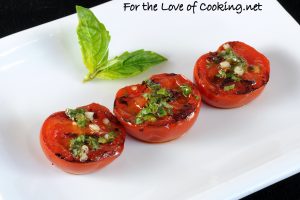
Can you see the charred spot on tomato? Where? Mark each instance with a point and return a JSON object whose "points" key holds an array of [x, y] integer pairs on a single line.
{"points": [[245, 91], [265, 79], [117, 122], [95, 116], [184, 112], [225, 82], [171, 74], [70, 135], [214, 57], [215, 80], [175, 94], [248, 82], [123, 100], [127, 120], [254, 68], [58, 155], [247, 87]]}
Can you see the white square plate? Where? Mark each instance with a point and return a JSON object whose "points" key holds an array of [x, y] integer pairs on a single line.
{"points": [[227, 153]]}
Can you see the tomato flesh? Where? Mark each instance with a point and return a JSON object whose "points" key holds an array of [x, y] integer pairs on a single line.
{"points": [[130, 101], [250, 84], [58, 130]]}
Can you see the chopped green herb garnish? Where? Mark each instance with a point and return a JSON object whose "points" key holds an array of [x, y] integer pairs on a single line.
{"points": [[107, 138], [152, 85], [101, 140], [234, 77], [139, 120], [157, 105], [76, 145], [221, 74], [146, 95], [78, 115], [92, 142], [149, 117], [162, 91], [161, 112], [80, 144], [229, 56], [186, 90], [110, 137], [229, 87]]}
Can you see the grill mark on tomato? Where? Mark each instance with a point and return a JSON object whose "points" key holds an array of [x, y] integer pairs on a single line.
{"points": [[155, 81], [214, 58], [184, 112], [174, 95], [71, 135], [126, 120], [95, 116], [115, 103], [123, 100], [171, 74], [248, 82], [248, 86], [265, 79], [199, 73], [59, 155], [226, 81], [215, 80]]}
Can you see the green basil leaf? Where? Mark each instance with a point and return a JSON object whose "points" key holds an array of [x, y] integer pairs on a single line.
{"points": [[129, 64], [93, 39]]}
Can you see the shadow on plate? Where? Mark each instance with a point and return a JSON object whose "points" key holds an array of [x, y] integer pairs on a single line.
{"points": [[284, 77], [21, 143]]}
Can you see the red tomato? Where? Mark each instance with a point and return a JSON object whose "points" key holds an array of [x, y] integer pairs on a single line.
{"points": [[76, 149], [232, 76], [160, 109]]}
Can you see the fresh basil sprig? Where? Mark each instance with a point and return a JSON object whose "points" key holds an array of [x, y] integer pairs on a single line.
{"points": [[94, 40]]}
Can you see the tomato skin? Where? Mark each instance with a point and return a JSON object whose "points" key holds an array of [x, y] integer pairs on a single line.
{"points": [[158, 133], [78, 167], [230, 100], [74, 167], [154, 134]]}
